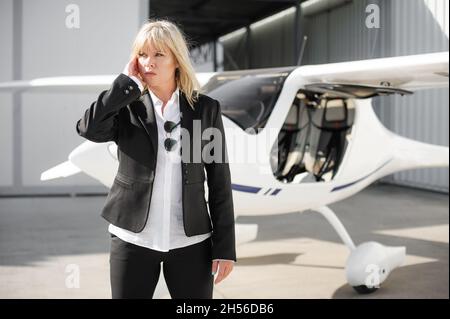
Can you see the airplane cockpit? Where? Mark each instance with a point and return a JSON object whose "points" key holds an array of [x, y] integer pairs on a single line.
{"points": [[312, 140]]}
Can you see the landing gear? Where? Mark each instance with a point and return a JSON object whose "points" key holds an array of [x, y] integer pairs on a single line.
{"points": [[370, 263], [364, 290]]}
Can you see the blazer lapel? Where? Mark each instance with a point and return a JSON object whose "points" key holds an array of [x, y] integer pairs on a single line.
{"points": [[186, 113], [144, 111], [187, 120]]}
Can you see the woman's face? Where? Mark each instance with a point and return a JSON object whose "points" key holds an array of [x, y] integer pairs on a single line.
{"points": [[157, 68]]}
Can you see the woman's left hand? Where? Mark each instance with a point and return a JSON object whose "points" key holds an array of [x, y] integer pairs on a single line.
{"points": [[223, 267]]}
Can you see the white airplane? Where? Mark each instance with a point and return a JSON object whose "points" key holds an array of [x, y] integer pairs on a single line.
{"points": [[327, 143]]}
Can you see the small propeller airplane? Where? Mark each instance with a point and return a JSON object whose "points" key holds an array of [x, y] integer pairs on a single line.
{"points": [[327, 142]]}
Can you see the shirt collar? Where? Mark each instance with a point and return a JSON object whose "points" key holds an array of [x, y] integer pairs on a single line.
{"points": [[158, 102]]}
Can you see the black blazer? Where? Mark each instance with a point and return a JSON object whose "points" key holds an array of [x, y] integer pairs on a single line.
{"points": [[120, 115]]}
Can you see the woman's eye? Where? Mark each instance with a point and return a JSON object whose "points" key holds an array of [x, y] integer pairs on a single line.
{"points": [[142, 54], [160, 54]]}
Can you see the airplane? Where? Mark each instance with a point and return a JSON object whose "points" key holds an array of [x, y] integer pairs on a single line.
{"points": [[325, 141]]}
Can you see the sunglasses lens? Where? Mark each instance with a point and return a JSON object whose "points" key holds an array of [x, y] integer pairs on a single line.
{"points": [[168, 126], [169, 143]]}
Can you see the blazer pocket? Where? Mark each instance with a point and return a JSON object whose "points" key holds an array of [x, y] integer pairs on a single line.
{"points": [[195, 181], [195, 175]]}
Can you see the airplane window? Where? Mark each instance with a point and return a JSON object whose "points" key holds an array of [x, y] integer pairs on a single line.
{"points": [[247, 97]]}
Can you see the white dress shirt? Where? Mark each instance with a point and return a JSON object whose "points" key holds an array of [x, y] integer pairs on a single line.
{"points": [[164, 229]]}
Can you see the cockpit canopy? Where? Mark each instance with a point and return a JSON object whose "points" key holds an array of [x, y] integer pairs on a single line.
{"points": [[248, 97]]}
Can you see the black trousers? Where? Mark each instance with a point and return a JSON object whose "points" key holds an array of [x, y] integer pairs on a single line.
{"points": [[134, 270]]}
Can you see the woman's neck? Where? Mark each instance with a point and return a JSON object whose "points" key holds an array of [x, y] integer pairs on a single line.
{"points": [[164, 93]]}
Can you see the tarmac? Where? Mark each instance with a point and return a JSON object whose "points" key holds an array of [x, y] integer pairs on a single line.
{"points": [[58, 247]]}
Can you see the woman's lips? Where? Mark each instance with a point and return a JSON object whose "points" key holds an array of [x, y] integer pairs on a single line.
{"points": [[149, 73]]}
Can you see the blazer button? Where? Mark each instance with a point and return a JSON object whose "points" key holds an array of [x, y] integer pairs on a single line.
{"points": [[126, 91], [131, 88]]}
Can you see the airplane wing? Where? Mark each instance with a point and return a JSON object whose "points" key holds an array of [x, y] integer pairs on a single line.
{"points": [[71, 84], [406, 72], [65, 169], [412, 72], [63, 84]]}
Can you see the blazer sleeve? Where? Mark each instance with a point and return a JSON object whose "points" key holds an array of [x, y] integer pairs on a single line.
{"points": [[220, 198], [100, 121]]}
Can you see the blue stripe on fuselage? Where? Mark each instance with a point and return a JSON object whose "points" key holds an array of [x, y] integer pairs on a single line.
{"points": [[337, 188], [244, 188]]}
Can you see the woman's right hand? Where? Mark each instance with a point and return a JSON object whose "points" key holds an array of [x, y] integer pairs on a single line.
{"points": [[132, 69]]}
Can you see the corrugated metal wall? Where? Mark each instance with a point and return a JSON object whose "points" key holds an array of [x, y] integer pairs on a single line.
{"points": [[424, 116], [406, 27], [266, 45], [342, 35]]}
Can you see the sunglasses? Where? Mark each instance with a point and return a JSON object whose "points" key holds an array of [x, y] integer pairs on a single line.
{"points": [[169, 143]]}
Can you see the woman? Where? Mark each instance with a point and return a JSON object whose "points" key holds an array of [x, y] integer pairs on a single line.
{"points": [[156, 206]]}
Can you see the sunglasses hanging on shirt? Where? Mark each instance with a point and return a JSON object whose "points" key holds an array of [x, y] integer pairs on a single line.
{"points": [[169, 143]]}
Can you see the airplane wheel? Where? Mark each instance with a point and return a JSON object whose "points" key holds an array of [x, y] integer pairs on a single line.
{"points": [[364, 290]]}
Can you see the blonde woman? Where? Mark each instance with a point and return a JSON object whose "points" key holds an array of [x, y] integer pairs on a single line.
{"points": [[156, 206]]}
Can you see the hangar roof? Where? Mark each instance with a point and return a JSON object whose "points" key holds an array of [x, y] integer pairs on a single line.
{"points": [[206, 20]]}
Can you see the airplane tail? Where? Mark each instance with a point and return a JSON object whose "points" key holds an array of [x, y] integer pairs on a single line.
{"points": [[390, 153], [414, 154], [411, 154]]}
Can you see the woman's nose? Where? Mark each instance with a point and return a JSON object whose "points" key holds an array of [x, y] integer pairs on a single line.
{"points": [[148, 63]]}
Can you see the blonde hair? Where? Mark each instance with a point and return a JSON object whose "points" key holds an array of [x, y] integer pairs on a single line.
{"points": [[165, 34]]}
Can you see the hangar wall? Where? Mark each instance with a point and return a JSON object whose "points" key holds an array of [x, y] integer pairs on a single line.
{"points": [[6, 110], [38, 129], [406, 27]]}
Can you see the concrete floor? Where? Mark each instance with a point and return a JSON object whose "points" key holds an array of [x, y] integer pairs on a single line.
{"points": [[46, 242]]}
